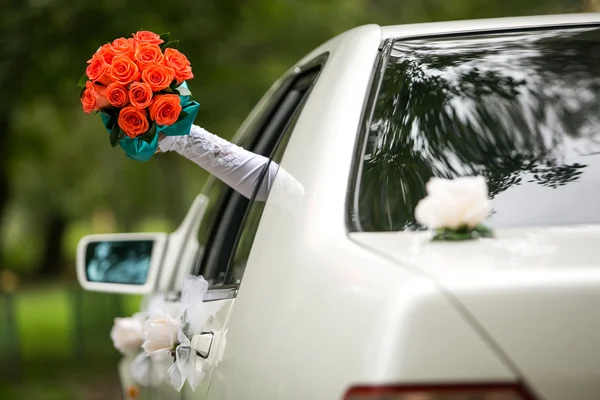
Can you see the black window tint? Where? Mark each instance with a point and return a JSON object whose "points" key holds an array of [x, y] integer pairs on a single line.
{"points": [[229, 215], [521, 109], [252, 219], [217, 193]]}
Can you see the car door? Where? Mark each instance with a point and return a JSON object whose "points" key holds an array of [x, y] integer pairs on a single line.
{"points": [[230, 219]]}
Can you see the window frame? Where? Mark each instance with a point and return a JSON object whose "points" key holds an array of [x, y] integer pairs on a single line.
{"points": [[276, 156], [254, 138], [234, 209], [354, 183]]}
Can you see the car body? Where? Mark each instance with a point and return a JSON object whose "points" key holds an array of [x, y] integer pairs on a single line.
{"points": [[317, 308]]}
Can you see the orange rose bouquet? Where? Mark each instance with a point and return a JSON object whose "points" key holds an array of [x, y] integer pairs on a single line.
{"points": [[138, 85]]}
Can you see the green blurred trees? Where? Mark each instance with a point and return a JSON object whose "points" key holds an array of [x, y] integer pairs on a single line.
{"points": [[56, 166]]}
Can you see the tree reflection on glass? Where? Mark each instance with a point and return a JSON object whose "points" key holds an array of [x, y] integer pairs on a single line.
{"points": [[520, 109], [125, 262]]}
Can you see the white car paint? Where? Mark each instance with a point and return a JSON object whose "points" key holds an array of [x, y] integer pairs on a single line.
{"points": [[533, 291], [320, 310], [328, 314], [486, 25]]}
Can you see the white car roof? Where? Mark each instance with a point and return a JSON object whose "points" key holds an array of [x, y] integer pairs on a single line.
{"points": [[477, 25]]}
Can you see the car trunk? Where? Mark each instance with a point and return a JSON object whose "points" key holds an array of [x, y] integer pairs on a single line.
{"points": [[534, 294]]}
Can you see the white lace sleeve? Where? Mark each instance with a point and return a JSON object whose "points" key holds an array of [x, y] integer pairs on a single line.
{"points": [[240, 169]]}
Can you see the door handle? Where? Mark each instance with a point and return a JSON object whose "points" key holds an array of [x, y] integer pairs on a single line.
{"points": [[202, 343]]}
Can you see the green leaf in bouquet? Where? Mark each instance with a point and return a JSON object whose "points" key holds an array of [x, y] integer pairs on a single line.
{"points": [[115, 136], [148, 137], [183, 91], [174, 85], [182, 115], [82, 81], [172, 44], [113, 118], [165, 37], [167, 91]]}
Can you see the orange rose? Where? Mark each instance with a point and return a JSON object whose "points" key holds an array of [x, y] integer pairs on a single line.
{"points": [[133, 121], [93, 97], [140, 94], [147, 53], [98, 71], [88, 101], [124, 47], [147, 37], [158, 76], [179, 63], [117, 95], [124, 71], [105, 52], [165, 109], [100, 93]]}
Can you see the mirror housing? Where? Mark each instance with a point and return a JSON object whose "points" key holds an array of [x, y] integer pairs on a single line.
{"points": [[120, 263], [165, 263]]}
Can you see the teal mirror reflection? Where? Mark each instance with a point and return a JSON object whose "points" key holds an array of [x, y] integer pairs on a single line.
{"points": [[125, 262]]}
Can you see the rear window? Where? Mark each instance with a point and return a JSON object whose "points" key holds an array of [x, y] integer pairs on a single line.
{"points": [[521, 109]]}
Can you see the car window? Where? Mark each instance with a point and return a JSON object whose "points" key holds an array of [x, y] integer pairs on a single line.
{"points": [[228, 214], [521, 109], [237, 264], [217, 193]]}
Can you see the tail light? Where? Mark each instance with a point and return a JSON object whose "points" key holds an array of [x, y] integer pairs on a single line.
{"points": [[441, 392]]}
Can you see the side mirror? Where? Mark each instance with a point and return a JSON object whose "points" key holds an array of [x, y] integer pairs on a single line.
{"points": [[120, 263], [140, 263]]}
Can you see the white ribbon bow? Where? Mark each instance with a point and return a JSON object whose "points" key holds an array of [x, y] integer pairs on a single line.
{"points": [[148, 371], [187, 366]]}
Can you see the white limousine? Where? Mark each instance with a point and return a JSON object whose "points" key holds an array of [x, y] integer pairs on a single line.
{"points": [[330, 287]]}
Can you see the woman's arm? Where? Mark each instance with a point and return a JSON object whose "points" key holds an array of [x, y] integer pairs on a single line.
{"points": [[238, 168]]}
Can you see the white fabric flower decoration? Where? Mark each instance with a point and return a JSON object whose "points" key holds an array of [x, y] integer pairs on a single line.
{"points": [[167, 333], [454, 204], [127, 333], [197, 312], [160, 333]]}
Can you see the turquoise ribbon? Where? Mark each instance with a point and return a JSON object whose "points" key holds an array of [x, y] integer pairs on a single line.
{"points": [[139, 150]]}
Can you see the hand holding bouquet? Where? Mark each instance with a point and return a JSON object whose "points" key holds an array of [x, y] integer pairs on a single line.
{"points": [[139, 86]]}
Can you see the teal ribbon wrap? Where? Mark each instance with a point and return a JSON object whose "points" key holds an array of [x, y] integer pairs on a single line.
{"points": [[139, 150]]}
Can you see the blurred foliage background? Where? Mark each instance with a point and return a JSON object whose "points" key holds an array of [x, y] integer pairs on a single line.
{"points": [[60, 179]]}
